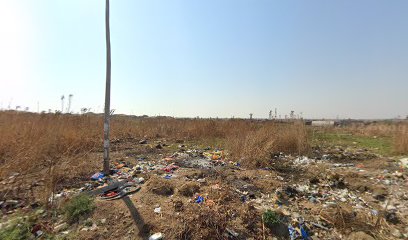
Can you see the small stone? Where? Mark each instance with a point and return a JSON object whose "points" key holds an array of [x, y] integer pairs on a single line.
{"points": [[392, 217], [380, 193], [94, 227], [40, 211], [398, 174], [60, 227], [396, 233]]}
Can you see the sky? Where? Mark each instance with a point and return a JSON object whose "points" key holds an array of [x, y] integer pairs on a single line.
{"points": [[213, 58]]}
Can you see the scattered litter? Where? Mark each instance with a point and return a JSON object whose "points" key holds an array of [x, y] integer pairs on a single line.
{"points": [[140, 180], [323, 191], [120, 191], [199, 199], [170, 168], [303, 161], [157, 210], [293, 234], [231, 232], [97, 176], [305, 234], [404, 162], [156, 236], [343, 165], [201, 180], [320, 226]]}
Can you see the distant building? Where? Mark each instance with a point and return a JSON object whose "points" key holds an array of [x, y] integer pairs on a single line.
{"points": [[323, 123]]}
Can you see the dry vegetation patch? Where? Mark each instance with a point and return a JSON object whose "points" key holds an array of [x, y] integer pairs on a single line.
{"points": [[160, 186]]}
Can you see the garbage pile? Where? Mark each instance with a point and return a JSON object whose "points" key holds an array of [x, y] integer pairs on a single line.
{"points": [[335, 193]]}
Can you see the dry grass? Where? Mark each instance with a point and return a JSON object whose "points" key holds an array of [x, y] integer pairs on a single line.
{"points": [[45, 147], [256, 146], [379, 129], [30, 141], [59, 148]]}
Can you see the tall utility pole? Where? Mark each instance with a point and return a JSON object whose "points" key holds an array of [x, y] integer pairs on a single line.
{"points": [[62, 103], [69, 102], [106, 125]]}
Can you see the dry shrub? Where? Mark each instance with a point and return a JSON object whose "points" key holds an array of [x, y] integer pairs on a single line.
{"points": [[251, 219], [160, 186], [344, 218], [39, 146], [401, 140], [30, 142], [202, 223], [256, 147], [189, 189], [380, 129]]}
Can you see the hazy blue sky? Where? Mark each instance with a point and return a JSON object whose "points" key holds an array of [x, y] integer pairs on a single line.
{"points": [[209, 58]]}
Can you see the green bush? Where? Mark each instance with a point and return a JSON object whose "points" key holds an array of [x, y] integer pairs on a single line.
{"points": [[271, 218], [18, 229], [79, 207]]}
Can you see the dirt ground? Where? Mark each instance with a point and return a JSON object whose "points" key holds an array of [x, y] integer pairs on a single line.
{"points": [[334, 193]]}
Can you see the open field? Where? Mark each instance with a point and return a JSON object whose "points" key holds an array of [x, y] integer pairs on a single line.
{"points": [[202, 179]]}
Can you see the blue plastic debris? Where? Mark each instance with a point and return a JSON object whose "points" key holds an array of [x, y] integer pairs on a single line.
{"points": [[167, 176], [305, 235], [303, 231], [97, 176], [199, 199]]}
